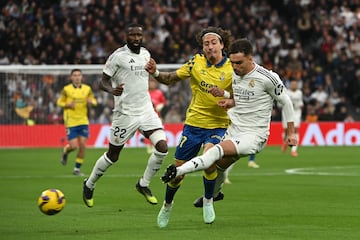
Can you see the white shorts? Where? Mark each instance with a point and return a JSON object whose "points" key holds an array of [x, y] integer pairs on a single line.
{"points": [[124, 127], [246, 143]]}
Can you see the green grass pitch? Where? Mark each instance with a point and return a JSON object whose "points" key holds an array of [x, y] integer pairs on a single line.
{"points": [[313, 196]]}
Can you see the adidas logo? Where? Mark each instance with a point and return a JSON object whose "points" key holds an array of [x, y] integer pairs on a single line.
{"points": [[131, 61]]}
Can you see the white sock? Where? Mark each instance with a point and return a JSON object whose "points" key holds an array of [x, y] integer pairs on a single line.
{"points": [[101, 165], [154, 163], [205, 200], [201, 162]]}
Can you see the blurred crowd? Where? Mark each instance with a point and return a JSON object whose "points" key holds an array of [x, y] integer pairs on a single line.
{"points": [[316, 43]]}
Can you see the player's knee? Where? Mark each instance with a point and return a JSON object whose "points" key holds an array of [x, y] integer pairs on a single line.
{"points": [[73, 147], [210, 174], [211, 169], [177, 181], [161, 146], [158, 139], [113, 153]]}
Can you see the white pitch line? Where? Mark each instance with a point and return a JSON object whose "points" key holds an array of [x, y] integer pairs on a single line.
{"points": [[326, 171], [320, 171], [139, 175]]}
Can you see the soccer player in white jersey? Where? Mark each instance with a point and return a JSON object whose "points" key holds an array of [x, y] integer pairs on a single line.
{"points": [[254, 90], [125, 77], [296, 97]]}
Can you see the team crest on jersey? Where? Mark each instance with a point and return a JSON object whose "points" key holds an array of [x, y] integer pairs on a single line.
{"points": [[252, 83], [203, 72], [222, 76]]}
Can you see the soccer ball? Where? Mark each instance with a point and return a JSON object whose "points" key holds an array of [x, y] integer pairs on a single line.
{"points": [[51, 201]]}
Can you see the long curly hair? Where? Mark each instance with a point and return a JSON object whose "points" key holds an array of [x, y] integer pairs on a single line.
{"points": [[225, 35]]}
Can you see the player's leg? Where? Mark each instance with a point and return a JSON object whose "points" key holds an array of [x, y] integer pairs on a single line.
{"points": [[122, 129], [158, 139], [100, 167], [225, 148], [72, 144], [80, 156], [209, 180], [171, 188], [232, 147], [83, 134], [294, 152], [251, 162], [188, 147], [210, 175], [226, 173]]}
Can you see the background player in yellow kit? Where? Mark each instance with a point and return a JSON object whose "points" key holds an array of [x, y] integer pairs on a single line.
{"points": [[74, 99]]}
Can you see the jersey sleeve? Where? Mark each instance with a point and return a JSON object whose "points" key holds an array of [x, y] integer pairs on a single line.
{"points": [[92, 97], [111, 65], [185, 70], [276, 89], [61, 102]]}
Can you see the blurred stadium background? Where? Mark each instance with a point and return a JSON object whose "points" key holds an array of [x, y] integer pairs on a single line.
{"points": [[313, 196], [316, 43]]}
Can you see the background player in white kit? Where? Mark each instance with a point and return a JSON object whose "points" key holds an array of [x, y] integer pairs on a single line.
{"points": [[296, 97], [125, 77], [254, 89]]}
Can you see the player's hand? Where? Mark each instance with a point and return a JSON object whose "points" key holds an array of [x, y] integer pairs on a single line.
{"points": [[118, 90], [90, 101], [226, 103], [216, 92], [150, 67], [71, 105]]}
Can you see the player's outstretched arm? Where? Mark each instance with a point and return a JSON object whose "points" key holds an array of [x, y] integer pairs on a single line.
{"points": [[166, 78]]}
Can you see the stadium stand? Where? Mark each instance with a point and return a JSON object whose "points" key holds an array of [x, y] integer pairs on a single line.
{"points": [[315, 42]]}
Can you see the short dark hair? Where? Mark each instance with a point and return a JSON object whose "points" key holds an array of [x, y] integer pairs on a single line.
{"points": [[75, 70], [133, 25], [241, 45]]}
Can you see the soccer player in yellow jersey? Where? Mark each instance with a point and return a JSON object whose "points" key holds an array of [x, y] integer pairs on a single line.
{"points": [[210, 74], [74, 99]]}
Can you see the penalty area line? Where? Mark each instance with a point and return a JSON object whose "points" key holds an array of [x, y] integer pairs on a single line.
{"points": [[352, 171]]}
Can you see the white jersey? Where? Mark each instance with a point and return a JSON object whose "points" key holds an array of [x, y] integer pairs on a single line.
{"points": [[125, 66], [297, 100], [254, 95]]}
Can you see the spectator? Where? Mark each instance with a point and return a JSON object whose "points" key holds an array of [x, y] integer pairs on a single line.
{"points": [[60, 32], [319, 95]]}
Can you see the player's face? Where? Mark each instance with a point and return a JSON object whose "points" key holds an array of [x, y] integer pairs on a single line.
{"points": [[293, 85], [134, 38], [76, 78], [241, 64], [212, 48]]}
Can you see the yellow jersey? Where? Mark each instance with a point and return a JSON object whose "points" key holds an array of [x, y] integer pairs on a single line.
{"points": [[203, 110], [78, 95]]}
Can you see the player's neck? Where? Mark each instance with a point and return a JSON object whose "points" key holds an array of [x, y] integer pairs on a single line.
{"points": [[216, 60]]}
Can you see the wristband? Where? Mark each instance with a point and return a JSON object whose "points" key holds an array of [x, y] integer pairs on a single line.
{"points": [[156, 73], [226, 94]]}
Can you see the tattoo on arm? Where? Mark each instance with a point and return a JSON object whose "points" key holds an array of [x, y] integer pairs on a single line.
{"points": [[168, 78]]}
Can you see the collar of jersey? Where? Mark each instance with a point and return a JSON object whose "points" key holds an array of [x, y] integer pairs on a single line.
{"points": [[76, 86], [221, 63]]}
